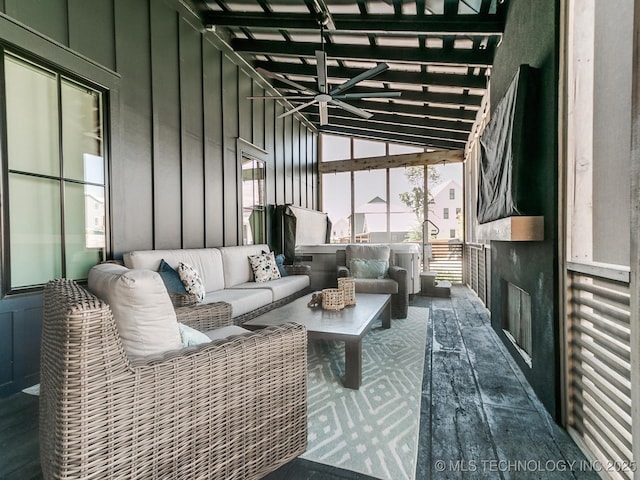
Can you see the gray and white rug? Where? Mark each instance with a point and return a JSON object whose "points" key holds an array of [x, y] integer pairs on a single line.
{"points": [[373, 430]]}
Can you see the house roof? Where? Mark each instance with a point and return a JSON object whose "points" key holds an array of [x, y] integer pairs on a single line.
{"points": [[437, 189], [438, 52]]}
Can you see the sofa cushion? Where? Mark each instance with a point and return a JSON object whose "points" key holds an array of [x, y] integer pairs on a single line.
{"points": [[264, 267], [374, 285], [235, 261], [224, 332], [242, 301], [141, 307], [191, 280], [280, 288], [207, 261]]}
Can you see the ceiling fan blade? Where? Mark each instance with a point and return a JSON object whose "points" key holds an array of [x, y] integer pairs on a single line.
{"points": [[346, 96], [381, 67], [274, 97], [324, 113], [294, 110], [321, 66], [283, 79], [351, 108]]}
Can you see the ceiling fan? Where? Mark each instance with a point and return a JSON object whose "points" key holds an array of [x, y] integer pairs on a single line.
{"points": [[325, 96]]}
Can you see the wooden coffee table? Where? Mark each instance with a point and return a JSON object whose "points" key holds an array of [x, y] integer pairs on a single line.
{"points": [[348, 325]]}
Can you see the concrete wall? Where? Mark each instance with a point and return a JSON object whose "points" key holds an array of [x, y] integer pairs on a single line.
{"points": [[530, 37], [176, 106]]}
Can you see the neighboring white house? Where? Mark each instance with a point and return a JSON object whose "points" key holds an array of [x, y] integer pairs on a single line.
{"points": [[446, 210], [371, 223]]}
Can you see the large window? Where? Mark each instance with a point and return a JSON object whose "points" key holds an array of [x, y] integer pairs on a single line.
{"points": [[54, 190]]}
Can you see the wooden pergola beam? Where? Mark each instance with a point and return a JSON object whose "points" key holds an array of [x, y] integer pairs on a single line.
{"points": [[392, 161]]}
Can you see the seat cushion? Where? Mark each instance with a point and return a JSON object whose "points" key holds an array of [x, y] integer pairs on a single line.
{"points": [[279, 288], [375, 285], [242, 301], [206, 261], [141, 307]]}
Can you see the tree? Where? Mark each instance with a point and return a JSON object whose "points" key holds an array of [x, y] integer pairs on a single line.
{"points": [[414, 199]]}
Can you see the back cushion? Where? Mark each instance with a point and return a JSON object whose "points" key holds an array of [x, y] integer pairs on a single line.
{"points": [[141, 308], [207, 262], [237, 269], [368, 252]]}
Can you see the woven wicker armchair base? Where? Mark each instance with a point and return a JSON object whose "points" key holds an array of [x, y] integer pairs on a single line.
{"points": [[230, 409]]}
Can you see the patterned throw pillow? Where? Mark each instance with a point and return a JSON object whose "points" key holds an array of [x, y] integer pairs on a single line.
{"points": [[191, 280], [264, 267]]}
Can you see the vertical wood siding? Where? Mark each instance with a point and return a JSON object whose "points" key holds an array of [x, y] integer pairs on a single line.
{"points": [[174, 173]]}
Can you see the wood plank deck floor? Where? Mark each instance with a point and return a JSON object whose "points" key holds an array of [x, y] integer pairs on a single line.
{"points": [[478, 412]]}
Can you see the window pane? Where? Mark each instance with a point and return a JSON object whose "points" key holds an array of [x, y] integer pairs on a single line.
{"points": [[84, 224], [34, 213], [81, 134], [336, 202], [371, 206], [368, 148], [406, 185], [395, 149], [32, 118], [335, 148], [253, 202]]}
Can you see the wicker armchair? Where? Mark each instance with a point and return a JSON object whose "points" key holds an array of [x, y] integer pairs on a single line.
{"points": [[234, 408]]}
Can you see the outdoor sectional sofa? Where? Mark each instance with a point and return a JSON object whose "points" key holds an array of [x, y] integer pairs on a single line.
{"points": [[227, 277]]}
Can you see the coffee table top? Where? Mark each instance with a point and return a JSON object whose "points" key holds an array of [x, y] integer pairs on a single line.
{"points": [[350, 321]]}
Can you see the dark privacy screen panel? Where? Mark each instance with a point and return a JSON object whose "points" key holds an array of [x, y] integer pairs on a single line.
{"points": [[504, 149]]}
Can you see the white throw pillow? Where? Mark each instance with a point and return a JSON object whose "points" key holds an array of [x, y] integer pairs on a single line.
{"points": [[141, 307], [191, 280], [264, 267]]}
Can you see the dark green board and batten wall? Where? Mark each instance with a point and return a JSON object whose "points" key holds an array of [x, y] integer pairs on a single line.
{"points": [[176, 109], [531, 37]]}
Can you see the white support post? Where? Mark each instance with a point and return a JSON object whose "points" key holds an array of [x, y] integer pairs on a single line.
{"points": [[635, 244]]}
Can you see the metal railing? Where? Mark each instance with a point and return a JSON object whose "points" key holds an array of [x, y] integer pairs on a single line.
{"points": [[446, 259]]}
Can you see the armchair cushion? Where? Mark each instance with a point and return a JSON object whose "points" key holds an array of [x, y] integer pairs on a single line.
{"points": [[370, 252], [142, 309], [375, 285]]}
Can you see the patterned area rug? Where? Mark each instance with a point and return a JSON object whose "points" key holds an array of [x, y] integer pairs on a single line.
{"points": [[373, 430]]}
